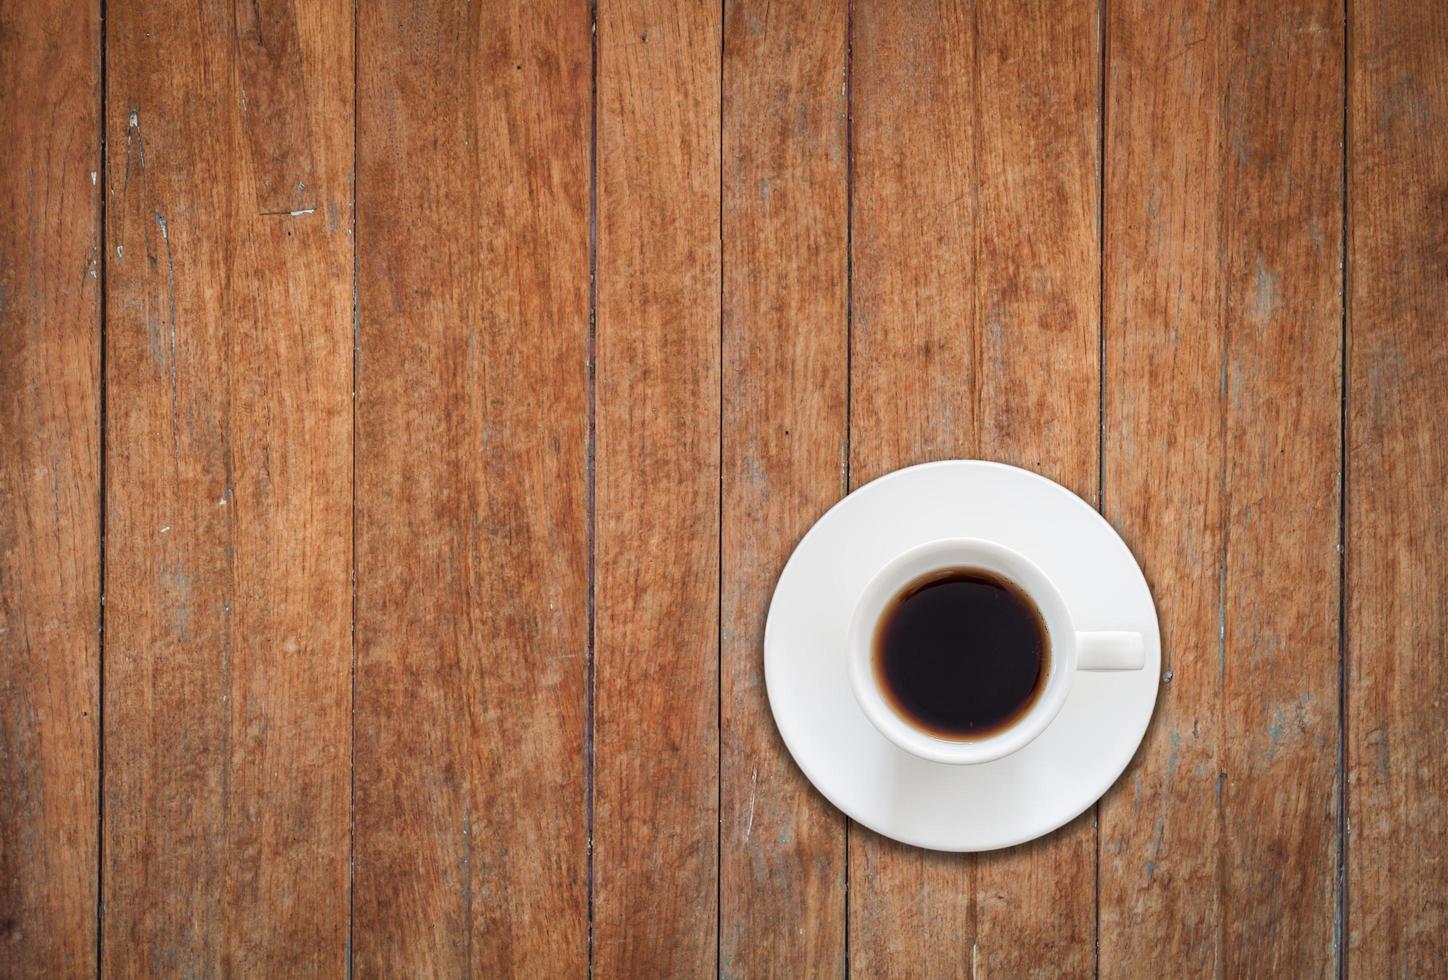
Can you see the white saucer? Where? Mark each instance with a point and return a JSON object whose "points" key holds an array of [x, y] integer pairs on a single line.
{"points": [[930, 804]]}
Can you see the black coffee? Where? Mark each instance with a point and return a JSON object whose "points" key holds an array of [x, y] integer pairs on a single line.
{"points": [[962, 653]]}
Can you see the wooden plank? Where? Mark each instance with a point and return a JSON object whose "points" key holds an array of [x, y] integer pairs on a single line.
{"points": [[472, 432], [1282, 313], [657, 538], [784, 211], [418, 435], [1038, 341], [975, 283], [1162, 480], [912, 382], [1397, 576], [49, 487], [1223, 339], [912, 385], [228, 517]]}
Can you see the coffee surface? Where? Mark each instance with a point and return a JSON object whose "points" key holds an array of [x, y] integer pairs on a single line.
{"points": [[961, 653]]}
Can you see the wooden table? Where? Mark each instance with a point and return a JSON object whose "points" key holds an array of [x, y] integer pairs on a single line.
{"points": [[432, 393]]}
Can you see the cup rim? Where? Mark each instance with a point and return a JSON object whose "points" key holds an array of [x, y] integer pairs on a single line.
{"points": [[918, 562]]}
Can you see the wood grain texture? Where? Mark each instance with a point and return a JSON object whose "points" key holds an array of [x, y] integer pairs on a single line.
{"points": [[228, 514], [1397, 542], [564, 756], [657, 511], [1223, 345], [975, 280], [1038, 373], [912, 385], [912, 391], [274, 105], [1282, 409], [782, 871], [49, 487], [472, 432], [912, 382], [1162, 489]]}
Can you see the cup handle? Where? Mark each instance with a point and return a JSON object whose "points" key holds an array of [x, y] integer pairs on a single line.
{"points": [[1110, 650]]}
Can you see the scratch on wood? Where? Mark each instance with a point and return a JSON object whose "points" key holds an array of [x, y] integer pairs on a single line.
{"points": [[256, 24], [171, 324], [753, 788], [1155, 848]]}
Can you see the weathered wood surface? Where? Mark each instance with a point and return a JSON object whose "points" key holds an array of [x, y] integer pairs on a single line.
{"points": [[49, 486], [1223, 347], [1397, 469], [975, 275], [782, 847], [471, 489], [655, 749], [1038, 342], [226, 810], [574, 317], [913, 374]]}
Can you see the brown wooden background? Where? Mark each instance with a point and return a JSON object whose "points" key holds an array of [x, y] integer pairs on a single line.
{"points": [[434, 390]]}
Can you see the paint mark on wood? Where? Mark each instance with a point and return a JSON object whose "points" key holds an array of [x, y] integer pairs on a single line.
{"points": [[135, 148]]}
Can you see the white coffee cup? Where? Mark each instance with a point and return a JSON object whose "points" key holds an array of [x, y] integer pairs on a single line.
{"points": [[1070, 649]]}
